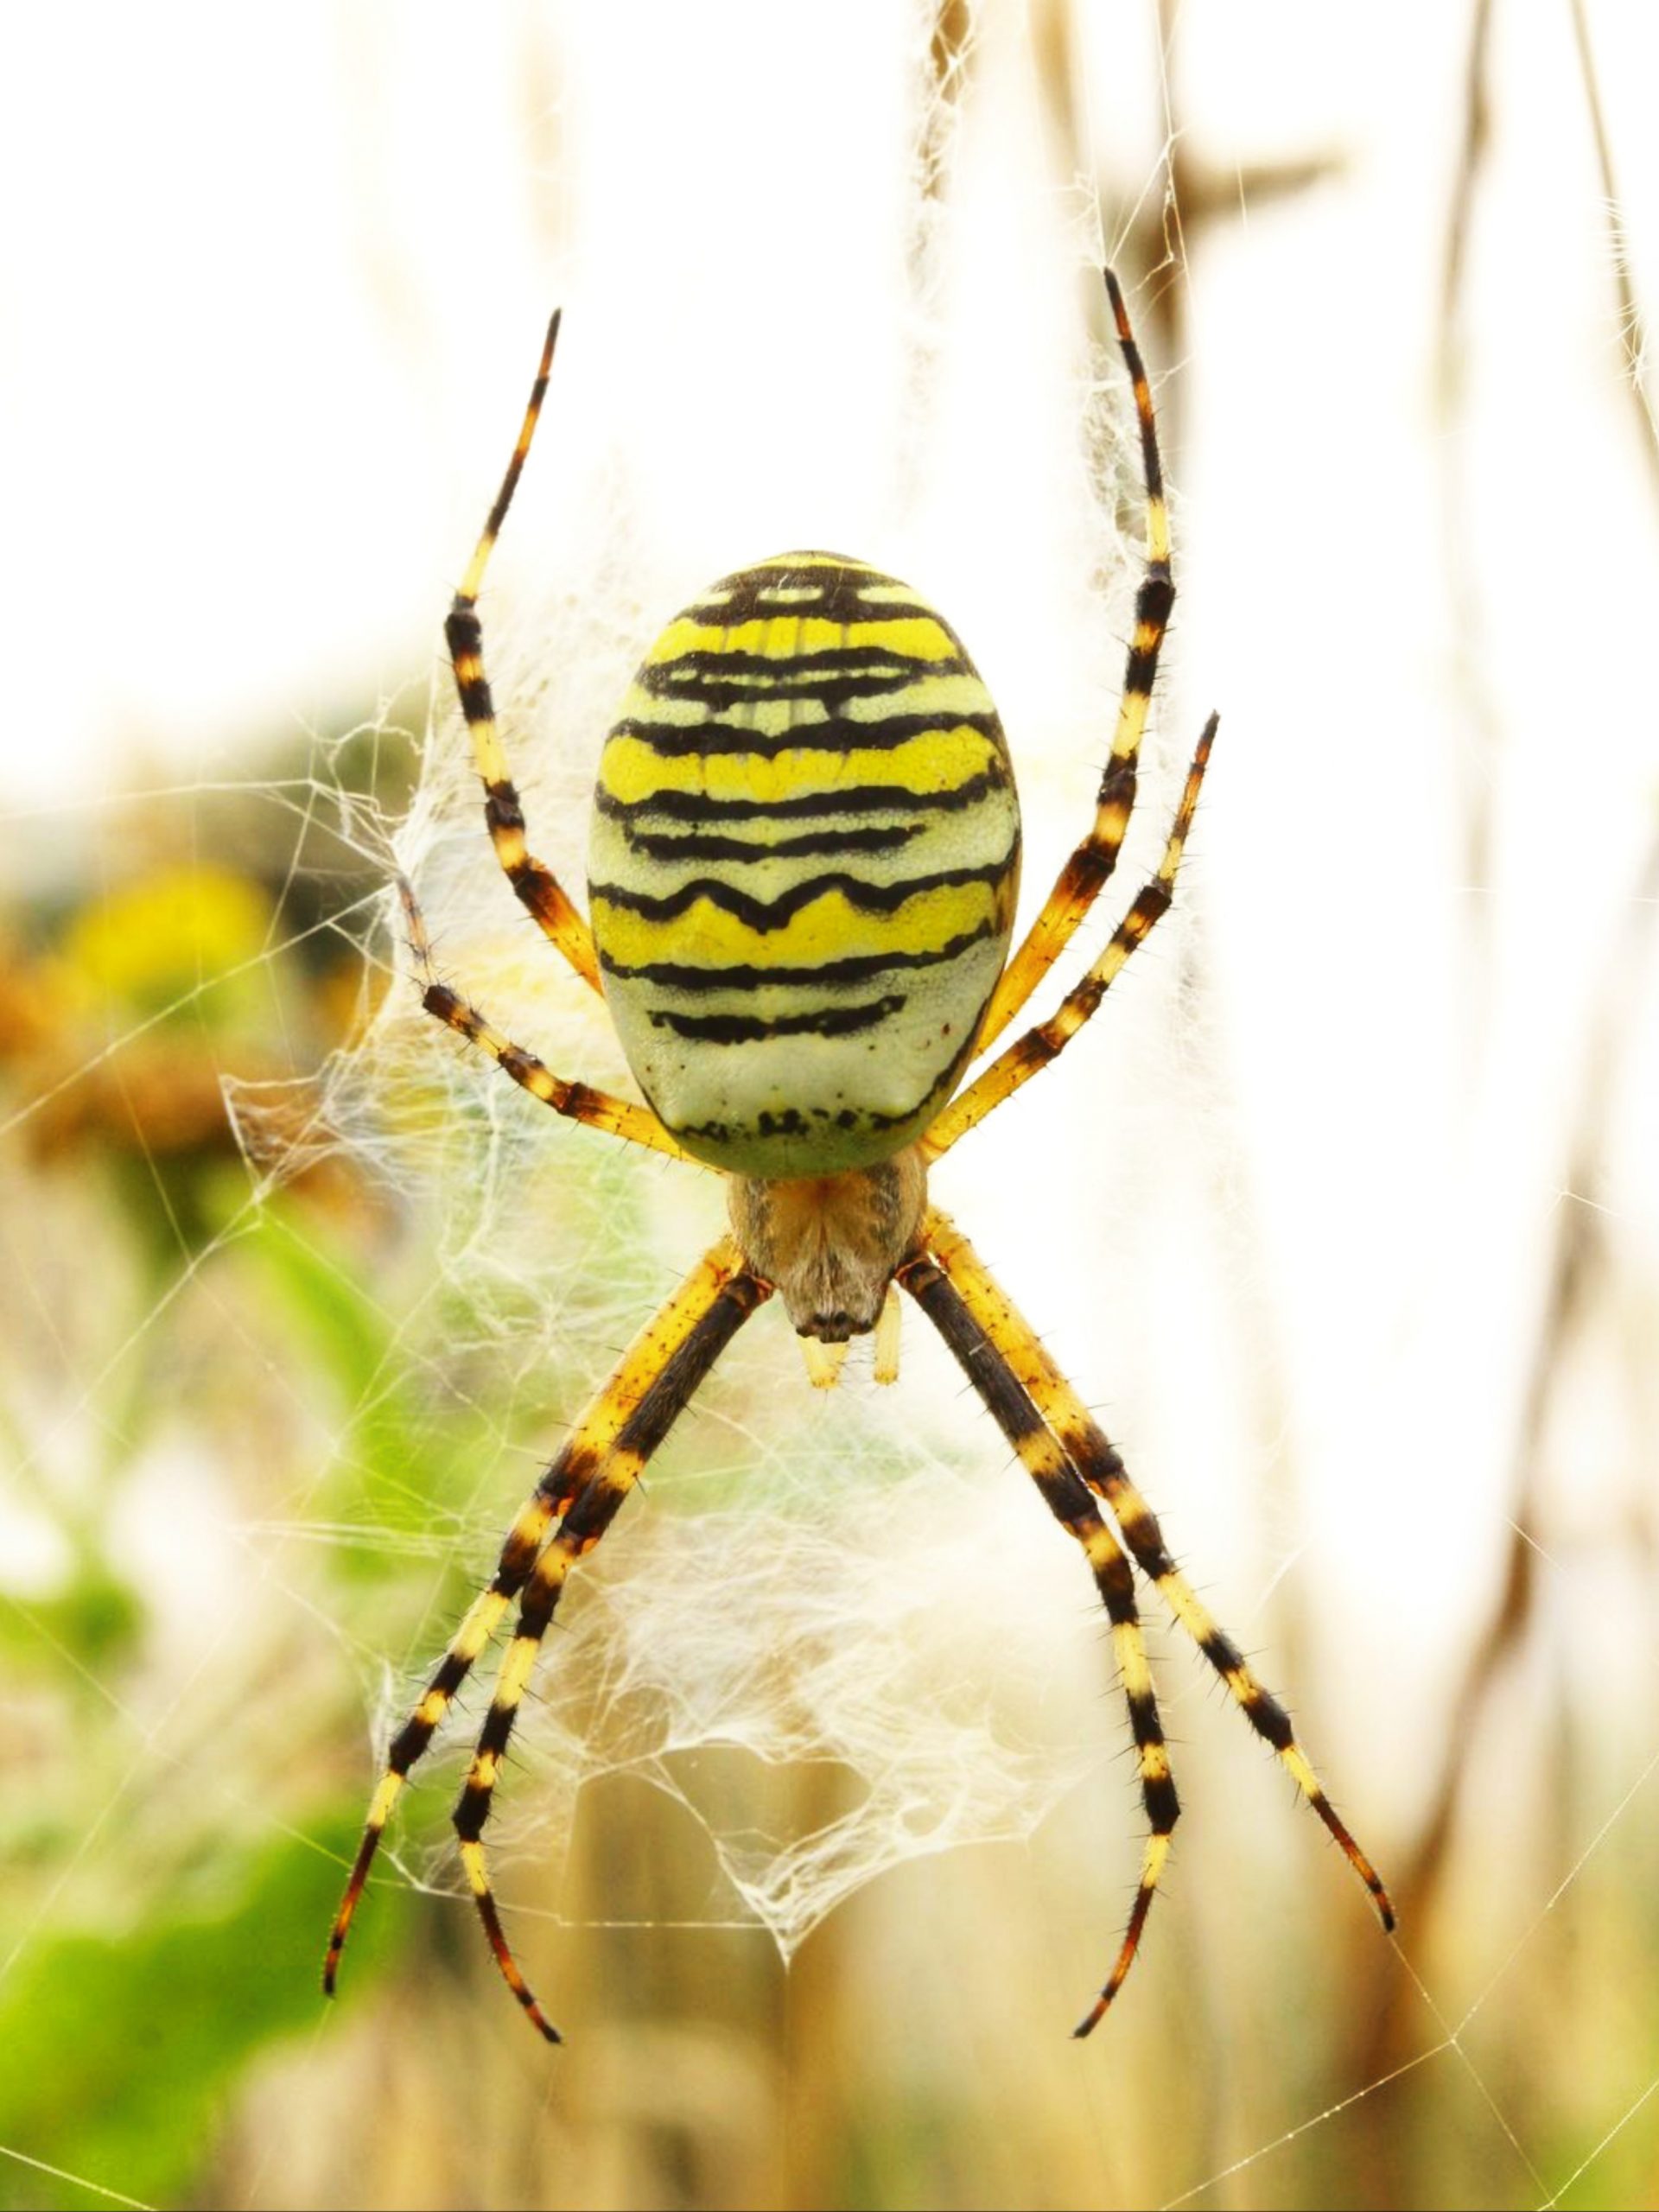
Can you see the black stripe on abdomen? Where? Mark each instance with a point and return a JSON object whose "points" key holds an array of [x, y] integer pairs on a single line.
{"points": [[766, 914], [831, 975], [675, 740], [756, 1029], [856, 798]]}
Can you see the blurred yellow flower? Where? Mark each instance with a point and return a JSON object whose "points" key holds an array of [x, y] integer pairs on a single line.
{"points": [[166, 932]]}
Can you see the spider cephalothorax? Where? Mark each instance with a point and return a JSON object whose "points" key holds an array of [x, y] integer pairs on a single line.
{"points": [[803, 863], [830, 1245]]}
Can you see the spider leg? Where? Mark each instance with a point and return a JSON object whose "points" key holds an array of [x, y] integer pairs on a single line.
{"points": [[676, 1369], [1090, 865], [1050, 1465], [684, 1337], [1090, 1452], [1027, 1054], [537, 887], [618, 1117]]}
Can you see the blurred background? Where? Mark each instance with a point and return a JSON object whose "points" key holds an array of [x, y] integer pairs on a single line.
{"points": [[1345, 1213]]}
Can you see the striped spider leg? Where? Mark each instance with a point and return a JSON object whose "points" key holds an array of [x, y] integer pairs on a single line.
{"points": [[578, 1102], [1044, 1419], [1067, 1496], [535, 884], [1044, 1043], [1086, 872], [568, 1511]]}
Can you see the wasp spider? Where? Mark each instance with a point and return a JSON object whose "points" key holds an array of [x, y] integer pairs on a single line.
{"points": [[805, 850]]}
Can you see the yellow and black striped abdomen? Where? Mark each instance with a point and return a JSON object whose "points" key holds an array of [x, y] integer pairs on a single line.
{"points": [[805, 857]]}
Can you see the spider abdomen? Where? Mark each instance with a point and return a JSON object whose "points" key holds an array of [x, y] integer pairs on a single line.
{"points": [[804, 858]]}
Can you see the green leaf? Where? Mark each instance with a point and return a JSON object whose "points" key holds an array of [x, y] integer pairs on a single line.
{"points": [[124, 2052]]}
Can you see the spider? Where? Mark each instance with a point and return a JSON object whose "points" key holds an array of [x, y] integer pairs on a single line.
{"points": [[805, 855]]}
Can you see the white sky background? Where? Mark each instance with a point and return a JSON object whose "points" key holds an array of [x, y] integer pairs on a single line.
{"points": [[275, 280]]}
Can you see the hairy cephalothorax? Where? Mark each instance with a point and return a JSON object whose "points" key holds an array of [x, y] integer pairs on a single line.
{"points": [[803, 861], [830, 1245]]}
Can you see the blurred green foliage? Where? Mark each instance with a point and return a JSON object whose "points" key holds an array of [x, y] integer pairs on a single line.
{"points": [[125, 2049]]}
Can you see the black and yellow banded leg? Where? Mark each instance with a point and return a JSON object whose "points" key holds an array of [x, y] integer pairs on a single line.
{"points": [[1086, 872], [1033, 1051], [618, 1117], [1092, 1455], [1067, 1497], [672, 1384], [536, 885], [682, 1324]]}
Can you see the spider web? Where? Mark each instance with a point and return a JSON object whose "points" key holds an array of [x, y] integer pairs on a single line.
{"points": [[837, 1639]]}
